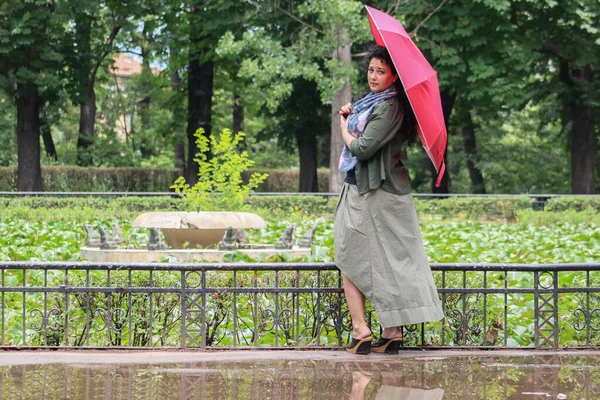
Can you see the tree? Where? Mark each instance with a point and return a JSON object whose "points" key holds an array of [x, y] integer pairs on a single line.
{"points": [[498, 55], [32, 38], [309, 40], [481, 69], [564, 40], [193, 29], [303, 129], [94, 31]]}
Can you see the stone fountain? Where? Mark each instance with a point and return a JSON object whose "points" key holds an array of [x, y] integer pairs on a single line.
{"points": [[192, 236]]}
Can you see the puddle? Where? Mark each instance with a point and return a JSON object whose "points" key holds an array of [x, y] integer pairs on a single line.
{"points": [[372, 377]]}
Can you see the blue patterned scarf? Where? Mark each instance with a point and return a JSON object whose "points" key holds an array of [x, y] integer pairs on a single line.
{"points": [[361, 110]]}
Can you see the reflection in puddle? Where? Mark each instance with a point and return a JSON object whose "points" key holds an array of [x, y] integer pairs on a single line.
{"points": [[380, 378]]}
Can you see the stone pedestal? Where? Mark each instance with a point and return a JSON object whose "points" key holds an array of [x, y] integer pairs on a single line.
{"points": [[181, 255]]}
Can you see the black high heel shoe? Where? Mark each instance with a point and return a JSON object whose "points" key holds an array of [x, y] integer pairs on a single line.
{"points": [[387, 346], [360, 346]]}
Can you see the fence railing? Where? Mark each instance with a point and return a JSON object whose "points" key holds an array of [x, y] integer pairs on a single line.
{"points": [[284, 305]]}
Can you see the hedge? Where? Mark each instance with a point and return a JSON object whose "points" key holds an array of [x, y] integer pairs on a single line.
{"points": [[280, 206], [78, 179], [474, 207], [276, 206], [286, 180], [576, 203]]}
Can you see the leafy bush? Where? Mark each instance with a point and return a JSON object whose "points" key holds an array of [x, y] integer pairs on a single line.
{"points": [[220, 186]]}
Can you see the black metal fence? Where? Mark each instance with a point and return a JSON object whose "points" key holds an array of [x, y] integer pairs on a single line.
{"points": [[284, 305]]}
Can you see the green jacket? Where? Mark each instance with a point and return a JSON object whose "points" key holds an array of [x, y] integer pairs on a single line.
{"points": [[378, 151]]}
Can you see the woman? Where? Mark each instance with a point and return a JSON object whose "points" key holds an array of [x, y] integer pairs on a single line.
{"points": [[378, 243]]}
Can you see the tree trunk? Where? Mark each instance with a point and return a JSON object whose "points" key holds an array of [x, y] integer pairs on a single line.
{"points": [[583, 149], [238, 114], [179, 153], [200, 91], [307, 152], [583, 137], [29, 172], [87, 70], [144, 103], [238, 120], [178, 116], [87, 105], [47, 137], [324, 152], [340, 97], [470, 146], [448, 99], [87, 121]]}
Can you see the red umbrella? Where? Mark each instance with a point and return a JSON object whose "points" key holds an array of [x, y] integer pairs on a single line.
{"points": [[420, 83]]}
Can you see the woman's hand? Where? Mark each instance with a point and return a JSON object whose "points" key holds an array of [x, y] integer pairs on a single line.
{"points": [[345, 110], [344, 123], [344, 113]]}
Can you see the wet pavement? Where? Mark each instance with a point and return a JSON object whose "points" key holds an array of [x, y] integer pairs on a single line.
{"points": [[287, 374]]}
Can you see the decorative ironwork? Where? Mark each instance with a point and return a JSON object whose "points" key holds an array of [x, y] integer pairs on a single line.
{"points": [[546, 309], [271, 305]]}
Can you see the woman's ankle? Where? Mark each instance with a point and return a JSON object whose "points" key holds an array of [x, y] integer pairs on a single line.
{"points": [[392, 333], [361, 332]]}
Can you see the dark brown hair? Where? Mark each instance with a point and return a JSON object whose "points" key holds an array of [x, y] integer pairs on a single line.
{"points": [[409, 122]]}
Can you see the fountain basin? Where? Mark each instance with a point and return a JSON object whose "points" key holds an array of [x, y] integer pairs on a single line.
{"points": [[205, 229]]}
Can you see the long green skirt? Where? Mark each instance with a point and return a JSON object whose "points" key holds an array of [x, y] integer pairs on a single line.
{"points": [[378, 246]]}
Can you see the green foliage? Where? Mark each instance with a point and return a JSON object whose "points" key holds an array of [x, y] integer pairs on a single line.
{"points": [[286, 180], [575, 203], [41, 229], [220, 185], [8, 128], [479, 59], [281, 206], [84, 208], [301, 46], [78, 179], [474, 207], [479, 242], [142, 119], [514, 149], [487, 52], [285, 206], [530, 217], [268, 154], [32, 33]]}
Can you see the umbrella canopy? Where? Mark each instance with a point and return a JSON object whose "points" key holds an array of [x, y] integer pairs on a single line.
{"points": [[420, 83]]}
